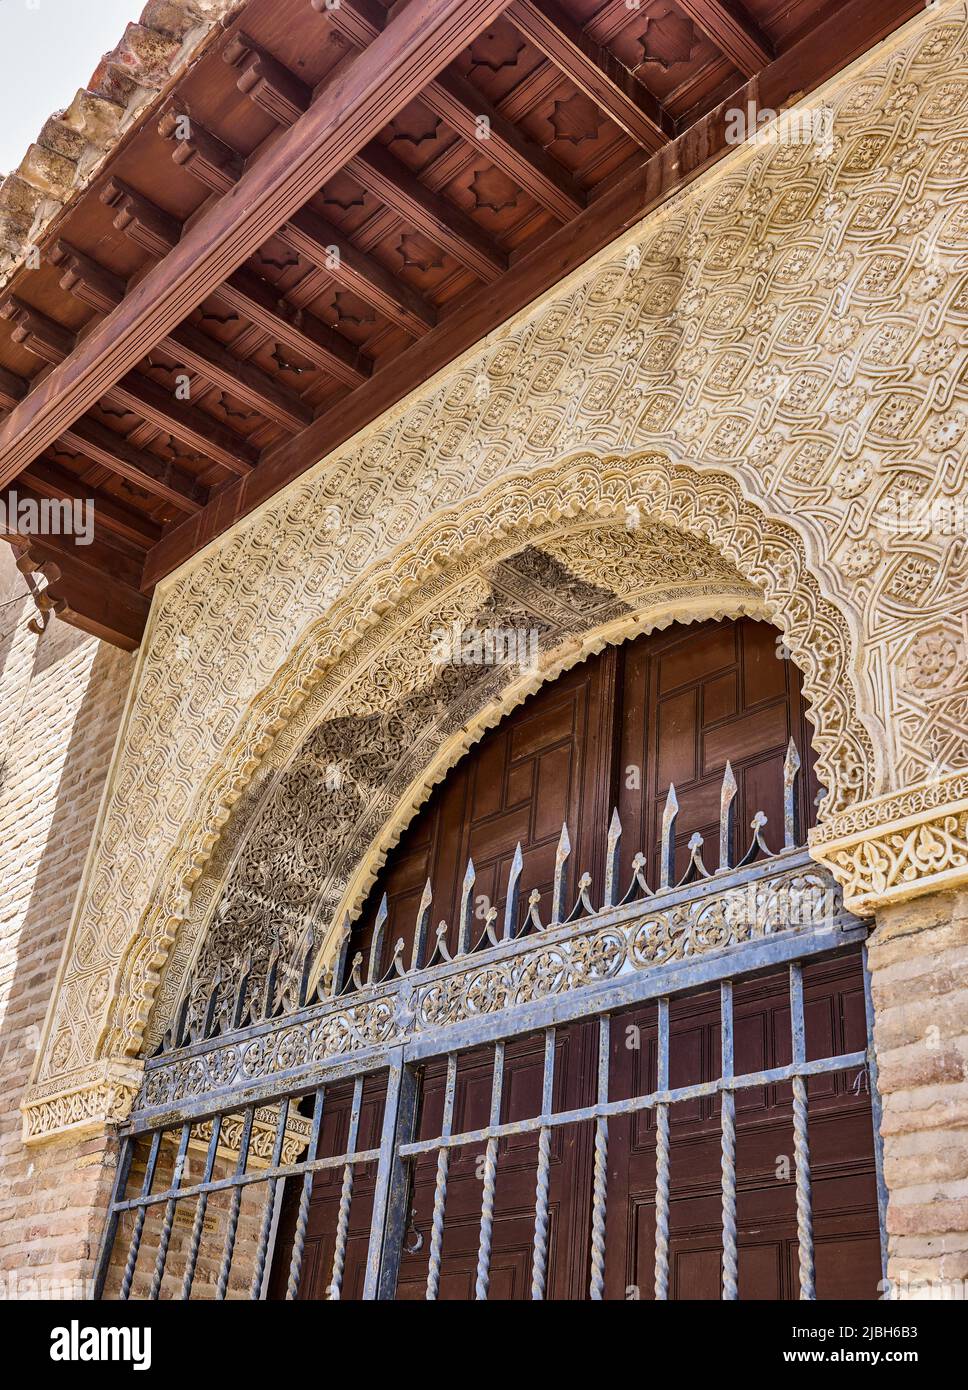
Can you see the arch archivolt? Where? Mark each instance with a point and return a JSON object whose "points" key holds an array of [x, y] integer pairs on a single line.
{"points": [[783, 339], [592, 551]]}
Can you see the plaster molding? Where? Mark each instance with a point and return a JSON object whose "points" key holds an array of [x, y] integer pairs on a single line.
{"points": [[900, 846]]}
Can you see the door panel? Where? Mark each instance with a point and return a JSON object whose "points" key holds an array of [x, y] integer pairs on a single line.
{"points": [[672, 706]]}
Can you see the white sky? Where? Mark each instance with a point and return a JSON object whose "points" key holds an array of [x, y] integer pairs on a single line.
{"points": [[49, 48]]}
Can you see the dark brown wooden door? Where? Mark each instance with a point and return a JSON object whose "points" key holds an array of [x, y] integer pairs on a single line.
{"points": [[672, 706]]}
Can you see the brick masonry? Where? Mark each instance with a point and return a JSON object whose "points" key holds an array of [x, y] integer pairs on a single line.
{"points": [[61, 699], [919, 976]]}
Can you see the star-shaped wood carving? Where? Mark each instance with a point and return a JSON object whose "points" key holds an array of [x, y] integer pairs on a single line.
{"points": [[492, 189], [668, 39]]}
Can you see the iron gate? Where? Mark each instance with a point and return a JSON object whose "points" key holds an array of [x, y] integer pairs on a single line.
{"points": [[240, 1089]]}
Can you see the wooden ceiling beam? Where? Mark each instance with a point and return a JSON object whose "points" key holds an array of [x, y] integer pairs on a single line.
{"points": [[194, 350], [594, 70], [198, 431], [362, 97], [376, 170], [283, 97], [459, 103], [13, 388], [318, 242], [49, 340], [158, 233], [117, 563], [191, 348], [145, 470], [50, 480], [327, 248], [36, 332], [82, 593], [298, 329], [733, 30], [808, 63], [243, 380]]}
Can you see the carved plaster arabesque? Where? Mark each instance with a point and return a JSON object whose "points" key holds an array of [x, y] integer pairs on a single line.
{"points": [[705, 506], [788, 317], [305, 853], [899, 846]]}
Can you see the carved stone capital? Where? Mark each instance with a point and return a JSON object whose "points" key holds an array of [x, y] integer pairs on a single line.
{"points": [[899, 846], [87, 1101]]}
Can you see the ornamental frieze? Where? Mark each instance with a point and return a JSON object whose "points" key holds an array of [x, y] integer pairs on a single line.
{"points": [[900, 846], [795, 897]]}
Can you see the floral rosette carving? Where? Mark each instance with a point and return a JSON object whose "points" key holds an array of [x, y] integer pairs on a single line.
{"points": [[367, 1025], [543, 973], [488, 991], [598, 957], [223, 1065], [442, 1002], [759, 909], [550, 970], [191, 1079], [156, 1089]]}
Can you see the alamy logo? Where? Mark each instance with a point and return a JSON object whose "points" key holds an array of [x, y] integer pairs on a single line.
{"points": [[804, 125], [489, 646], [76, 1343], [30, 516]]}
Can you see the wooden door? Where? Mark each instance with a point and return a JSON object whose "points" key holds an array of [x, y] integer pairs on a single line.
{"points": [[673, 706]]}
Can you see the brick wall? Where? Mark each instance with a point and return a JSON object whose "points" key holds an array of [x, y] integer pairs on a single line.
{"points": [[61, 699], [919, 980]]}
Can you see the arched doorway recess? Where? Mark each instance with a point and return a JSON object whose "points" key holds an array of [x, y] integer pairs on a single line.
{"points": [[651, 1079], [671, 707]]}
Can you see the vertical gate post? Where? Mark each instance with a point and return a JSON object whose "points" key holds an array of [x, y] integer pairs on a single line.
{"points": [[390, 1196], [118, 1191]]}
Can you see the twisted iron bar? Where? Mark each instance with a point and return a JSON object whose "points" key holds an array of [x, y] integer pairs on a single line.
{"points": [[539, 1264], [662, 1201], [728, 1143], [801, 1149], [139, 1221], [600, 1187], [233, 1226], [132, 1260], [487, 1221], [342, 1233], [437, 1226], [728, 1166], [198, 1225], [443, 1163], [302, 1218], [236, 1207], [164, 1241], [299, 1239], [662, 1152], [262, 1249], [597, 1286], [345, 1197]]}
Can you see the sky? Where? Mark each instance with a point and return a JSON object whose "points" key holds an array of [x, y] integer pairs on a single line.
{"points": [[49, 48]]}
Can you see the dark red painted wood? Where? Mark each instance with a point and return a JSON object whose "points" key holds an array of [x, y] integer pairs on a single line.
{"points": [[671, 705]]}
